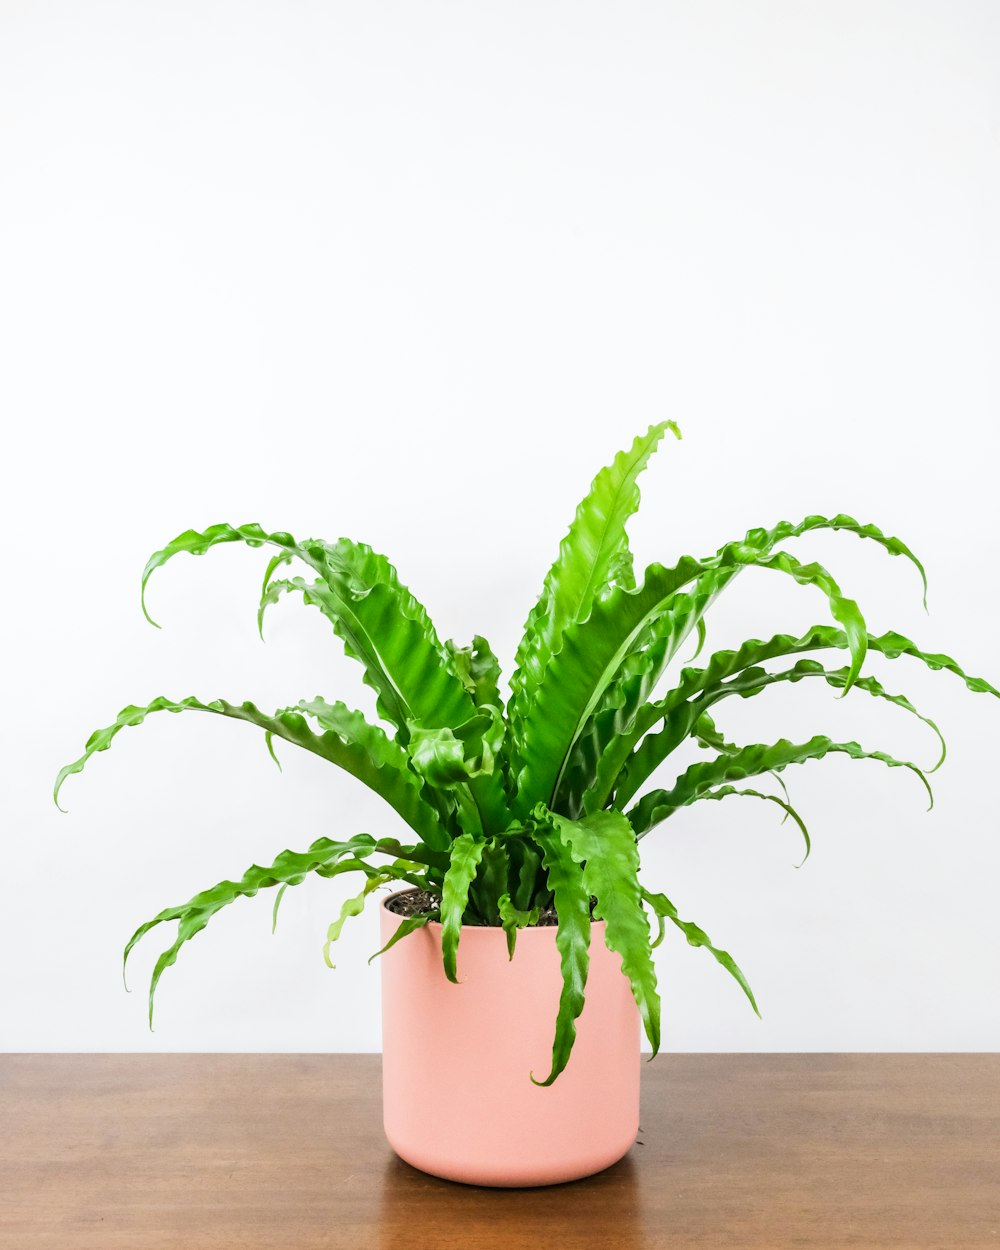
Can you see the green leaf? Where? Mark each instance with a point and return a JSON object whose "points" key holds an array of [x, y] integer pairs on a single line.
{"points": [[725, 792], [466, 852], [663, 908], [841, 522], [479, 670], [605, 845], [527, 874], [277, 903], [513, 918], [325, 858], [623, 772], [749, 761], [348, 741], [683, 719], [353, 906], [492, 881], [378, 620], [447, 757], [408, 925], [572, 901], [586, 776], [196, 543], [594, 651], [594, 551]]}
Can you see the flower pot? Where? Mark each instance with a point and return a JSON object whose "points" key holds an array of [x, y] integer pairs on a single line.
{"points": [[458, 1099]]}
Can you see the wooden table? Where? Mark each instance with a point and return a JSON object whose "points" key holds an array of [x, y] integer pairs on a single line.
{"points": [[201, 1152]]}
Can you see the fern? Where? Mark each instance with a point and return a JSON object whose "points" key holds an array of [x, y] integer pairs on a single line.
{"points": [[516, 808]]}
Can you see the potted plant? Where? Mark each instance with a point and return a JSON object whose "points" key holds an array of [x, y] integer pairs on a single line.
{"points": [[517, 964]]}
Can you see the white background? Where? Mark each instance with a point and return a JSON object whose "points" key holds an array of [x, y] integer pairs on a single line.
{"points": [[412, 273]]}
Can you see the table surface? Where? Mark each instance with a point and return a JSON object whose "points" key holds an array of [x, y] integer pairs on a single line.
{"points": [[205, 1152]]}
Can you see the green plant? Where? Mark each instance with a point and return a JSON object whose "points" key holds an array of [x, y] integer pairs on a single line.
{"points": [[515, 808]]}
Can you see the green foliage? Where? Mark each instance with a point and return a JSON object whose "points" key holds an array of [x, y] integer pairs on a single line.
{"points": [[535, 806]]}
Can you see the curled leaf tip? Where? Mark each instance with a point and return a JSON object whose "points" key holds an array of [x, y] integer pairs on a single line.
{"points": [[145, 612]]}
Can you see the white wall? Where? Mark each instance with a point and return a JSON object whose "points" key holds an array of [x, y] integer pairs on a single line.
{"points": [[412, 273]]}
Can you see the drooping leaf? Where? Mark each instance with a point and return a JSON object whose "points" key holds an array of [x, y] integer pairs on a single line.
{"points": [[725, 792], [624, 696], [621, 772], [196, 543], [681, 720], [324, 857], [408, 925], [352, 906], [663, 907], [572, 902], [594, 651], [604, 845], [347, 740], [466, 852], [750, 761]]}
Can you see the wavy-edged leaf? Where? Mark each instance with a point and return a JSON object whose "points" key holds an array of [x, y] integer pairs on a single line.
{"points": [[623, 697], [408, 925], [683, 719], [663, 908], [378, 620], [725, 792], [513, 918], [526, 873], [197, 542], [452, 756], [751, 761], [621, 772], [479, 670], [466, 852], [592, 555], [324, 857], [491, 883], [572, 903], [604, 844], [352, 906], [840, 522], [347, 740], [594, 651]]}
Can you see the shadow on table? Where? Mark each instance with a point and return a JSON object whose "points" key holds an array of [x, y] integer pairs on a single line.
{"points": [[421, 1210]]}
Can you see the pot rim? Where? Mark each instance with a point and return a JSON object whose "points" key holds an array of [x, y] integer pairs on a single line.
{"points": [[478, 928]]}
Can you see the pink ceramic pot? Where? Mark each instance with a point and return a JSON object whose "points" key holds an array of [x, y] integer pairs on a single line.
{"points": [[456, 1059]]}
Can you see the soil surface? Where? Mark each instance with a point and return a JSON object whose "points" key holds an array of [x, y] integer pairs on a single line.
{"points": [[417, 902]]}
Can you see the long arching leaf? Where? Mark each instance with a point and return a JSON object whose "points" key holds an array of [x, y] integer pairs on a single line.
{"points": [[624, 696], [324, 857], [594, 651], [681, 721], [750, 761], [347, 740], [663, 908], [725, 792], [618, 773], [408, 925]]}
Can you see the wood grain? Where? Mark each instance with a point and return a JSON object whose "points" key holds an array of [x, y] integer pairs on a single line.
{"points": [[219, 1152]]}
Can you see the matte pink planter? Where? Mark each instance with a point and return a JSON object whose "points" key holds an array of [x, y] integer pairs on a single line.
{"points": [[458, 1099]]}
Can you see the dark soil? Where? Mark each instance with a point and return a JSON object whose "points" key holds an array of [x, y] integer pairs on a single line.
{"points": [[416, 902]]}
